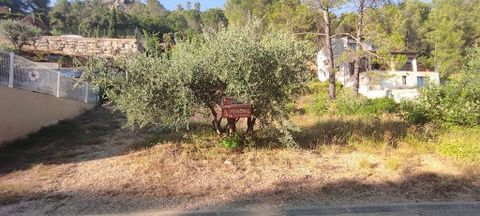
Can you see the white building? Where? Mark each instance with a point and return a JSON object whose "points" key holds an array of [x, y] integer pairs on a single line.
{"points": [[376, 81]]}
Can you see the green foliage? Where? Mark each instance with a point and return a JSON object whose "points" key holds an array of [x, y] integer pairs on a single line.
{"points": [[214, 19], [384, 28], [231, 142], [350, 104], [447, 37], [456, 102], [18, 32], [152, 44], [290, 15], [319, 104], [112, 24], [347, 103], [144, 89]]}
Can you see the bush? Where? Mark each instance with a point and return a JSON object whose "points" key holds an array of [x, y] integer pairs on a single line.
{"points": [[347, 103], [350, 104], [320, 102]]}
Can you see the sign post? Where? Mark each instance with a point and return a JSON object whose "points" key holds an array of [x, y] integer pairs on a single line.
{"points": [[233, 111]]}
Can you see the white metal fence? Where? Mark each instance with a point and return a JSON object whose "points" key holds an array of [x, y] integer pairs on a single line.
{"points": [[19, 72]]}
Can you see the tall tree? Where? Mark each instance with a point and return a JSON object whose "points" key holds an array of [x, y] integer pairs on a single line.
{"points": [[59, 15], [326, 7], [383, 27], [361, 7], [453, 27]]}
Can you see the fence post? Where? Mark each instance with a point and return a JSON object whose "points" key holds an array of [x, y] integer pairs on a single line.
{"points": [[58, 84], [86, 92], [10, 69]]}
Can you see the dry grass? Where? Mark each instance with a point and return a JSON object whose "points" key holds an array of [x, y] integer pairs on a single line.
{"points": [[341, 160]]}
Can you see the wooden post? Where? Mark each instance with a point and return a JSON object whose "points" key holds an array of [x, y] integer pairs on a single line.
{"points": [[231, 126]]}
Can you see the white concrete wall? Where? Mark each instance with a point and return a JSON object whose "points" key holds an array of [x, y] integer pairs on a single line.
{"points": [[24, 112], [395, 79], [396, 94]]}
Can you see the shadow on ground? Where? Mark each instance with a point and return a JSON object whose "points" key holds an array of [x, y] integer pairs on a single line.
{"points": [[426, 187], [63, 142], [94, 135]]}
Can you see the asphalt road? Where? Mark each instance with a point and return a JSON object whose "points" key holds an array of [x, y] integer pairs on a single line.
{"points": [[403, 209]]}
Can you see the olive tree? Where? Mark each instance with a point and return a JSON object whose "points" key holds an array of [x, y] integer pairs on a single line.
{"points": [[266, 70], [18, 32]]}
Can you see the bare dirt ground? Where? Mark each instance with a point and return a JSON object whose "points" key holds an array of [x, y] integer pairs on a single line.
{"points": [[92, 166]]}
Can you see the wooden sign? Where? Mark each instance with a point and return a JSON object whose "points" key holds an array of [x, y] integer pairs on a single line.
{"points": [[237, 111]]}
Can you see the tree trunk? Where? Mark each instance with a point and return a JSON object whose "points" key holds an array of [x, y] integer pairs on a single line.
{"points": [[231, 126], [357, 60], [216, 122], [250, 124], [329, 53]]}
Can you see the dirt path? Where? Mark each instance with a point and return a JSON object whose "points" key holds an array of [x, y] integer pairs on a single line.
{"points": [[96, 167]]}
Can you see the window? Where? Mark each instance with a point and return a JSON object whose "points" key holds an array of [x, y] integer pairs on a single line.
{"points": [[420, 81], [404, 80]]}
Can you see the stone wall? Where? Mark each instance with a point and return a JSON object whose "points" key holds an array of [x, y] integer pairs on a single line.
{"points": [[78, 46]]}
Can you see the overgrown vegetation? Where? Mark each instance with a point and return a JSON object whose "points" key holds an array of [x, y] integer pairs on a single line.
{"points": [[266, 70], [347, 103], [456, 102]]}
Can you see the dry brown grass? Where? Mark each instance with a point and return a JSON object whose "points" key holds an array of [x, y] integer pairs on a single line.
{"points": [[125, 171]]}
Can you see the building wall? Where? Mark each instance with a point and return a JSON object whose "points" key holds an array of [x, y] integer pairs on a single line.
{"points": [[79, 46], [24, 112], [395, 79]]}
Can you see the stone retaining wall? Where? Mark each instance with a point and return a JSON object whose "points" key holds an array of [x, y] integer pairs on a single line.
{"points": [[78, 46]]}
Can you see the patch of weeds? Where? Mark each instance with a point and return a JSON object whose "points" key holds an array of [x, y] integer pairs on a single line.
{"points": [[231, 142], [460, 143], [393, 164]]}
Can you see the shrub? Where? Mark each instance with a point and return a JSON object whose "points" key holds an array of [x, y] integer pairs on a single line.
{"points": [[18, 32], [319, 102], [383, 105], [319, 105], [347, 103], [350, 104], [231, 141]]}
